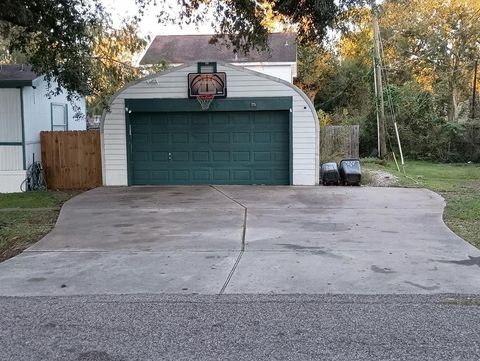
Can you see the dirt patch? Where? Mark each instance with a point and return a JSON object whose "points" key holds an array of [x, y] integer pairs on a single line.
{"points": [[9, 253], [380, 178]]}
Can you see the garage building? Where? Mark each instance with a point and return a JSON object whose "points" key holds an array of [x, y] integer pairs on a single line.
{"points": [[261, 130]]}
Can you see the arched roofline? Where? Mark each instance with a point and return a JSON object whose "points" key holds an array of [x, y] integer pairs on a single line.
{"points": [[235, 67]]}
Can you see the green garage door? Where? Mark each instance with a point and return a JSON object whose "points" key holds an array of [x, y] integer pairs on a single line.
{"points": [[210, 148]]}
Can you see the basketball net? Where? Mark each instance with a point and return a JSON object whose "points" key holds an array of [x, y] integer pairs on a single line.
{"points": [[205, 100]]}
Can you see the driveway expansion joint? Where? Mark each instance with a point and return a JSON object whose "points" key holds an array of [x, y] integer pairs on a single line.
{"points": [[234, 268], [244, 217]]}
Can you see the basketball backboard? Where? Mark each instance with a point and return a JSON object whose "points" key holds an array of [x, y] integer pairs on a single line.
{"points": [[214, 84]]}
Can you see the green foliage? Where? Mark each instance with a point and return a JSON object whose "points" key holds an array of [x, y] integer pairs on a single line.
{"points": [[242, 22], [29, 221], [73, 43], [428, 51], [425, 134], [20, 229], [348, 94], [316, 68], [55, 37], [34, 199], [435, 41], [113, 52]]}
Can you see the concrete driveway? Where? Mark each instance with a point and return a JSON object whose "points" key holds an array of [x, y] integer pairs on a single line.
{"points": [[247, 239]]}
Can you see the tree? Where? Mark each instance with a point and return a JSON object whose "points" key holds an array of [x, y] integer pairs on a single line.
{"points": [[73, 43], [337, 75], [241, 23], [436, 41], [55, 37], [316, 68], [59, 37], [356, 36], [112, 57]]}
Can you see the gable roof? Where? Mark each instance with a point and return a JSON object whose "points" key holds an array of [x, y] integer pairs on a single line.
{"points": [[15, 75], [177, 49]]}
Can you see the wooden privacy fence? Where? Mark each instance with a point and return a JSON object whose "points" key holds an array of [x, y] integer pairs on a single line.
{"points": [[72, 159], [339, 142]]}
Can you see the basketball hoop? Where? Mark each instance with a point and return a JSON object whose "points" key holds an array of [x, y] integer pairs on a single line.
{"points": [[205, 100]]}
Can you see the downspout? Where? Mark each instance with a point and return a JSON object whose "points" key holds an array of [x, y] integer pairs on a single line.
{"points": [[24, 150]]}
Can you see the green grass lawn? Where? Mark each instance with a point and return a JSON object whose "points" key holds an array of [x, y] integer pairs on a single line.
{"points": [[27, 217], [459, 184]]}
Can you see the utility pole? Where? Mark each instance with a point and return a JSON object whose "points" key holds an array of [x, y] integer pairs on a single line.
{"points": [[474, 88], [382, 151]]}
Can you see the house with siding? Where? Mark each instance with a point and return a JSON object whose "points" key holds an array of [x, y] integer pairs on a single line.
{"points": [[258, 129], [280, 60], [25, 111]]}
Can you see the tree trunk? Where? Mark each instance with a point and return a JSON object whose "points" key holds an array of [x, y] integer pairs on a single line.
{"points": [[453, 104]]}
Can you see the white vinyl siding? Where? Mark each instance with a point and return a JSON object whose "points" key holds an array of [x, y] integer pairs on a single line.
{"points": [[284, 72], [11, 157], [240, 83], [11, 181], [10, 115]]}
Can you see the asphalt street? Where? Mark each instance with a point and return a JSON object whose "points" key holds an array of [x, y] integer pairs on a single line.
{"points": [[240, 327]]}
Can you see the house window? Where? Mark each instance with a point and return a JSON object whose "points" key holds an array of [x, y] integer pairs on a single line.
{"points": [[59, 117], [207, 67]]}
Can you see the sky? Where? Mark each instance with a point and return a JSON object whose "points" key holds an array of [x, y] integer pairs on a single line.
{"points": [[149, 25]]}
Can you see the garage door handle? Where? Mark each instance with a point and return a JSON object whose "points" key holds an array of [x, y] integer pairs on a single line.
{"points": [[169, 156]]}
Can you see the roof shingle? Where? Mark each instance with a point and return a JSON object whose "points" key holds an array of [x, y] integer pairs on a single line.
{"points": [[177, 49], [16, 75]]}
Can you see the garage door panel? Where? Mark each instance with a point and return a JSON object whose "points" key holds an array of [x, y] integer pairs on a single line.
{"points": [[263, 122], [280, 137], [222, 137], [178, 121], [141, 176], [239, 116], [140, 138], [160, 138], [203, 148], [200, 122], [262, 156], [221, 176], [180, 138], [241, 156], [279, 174], [159, 156], [201, 175], [223, 156], [200, 138], [180, 156], [200, 156], [181, 175], [241, 175], [140, 156], [160, 175], [241, 138], [262, 175], [219, 121], [262, 137]]}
